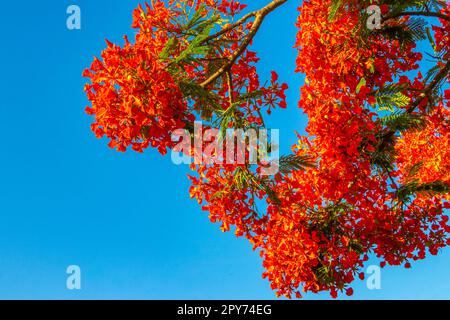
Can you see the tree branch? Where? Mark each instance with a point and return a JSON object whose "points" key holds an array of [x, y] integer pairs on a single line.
{"points": [[231, 26], [419, 13], [259, 18]]}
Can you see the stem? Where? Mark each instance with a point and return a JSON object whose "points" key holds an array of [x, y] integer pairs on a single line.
{"points": [[230, 87], [259, 18]]}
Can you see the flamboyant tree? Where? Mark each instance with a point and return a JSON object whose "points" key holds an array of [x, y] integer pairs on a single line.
{"points": [[372, 175]]}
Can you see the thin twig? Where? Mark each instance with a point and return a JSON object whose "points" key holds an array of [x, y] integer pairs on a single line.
{"points": [[230, 87]]}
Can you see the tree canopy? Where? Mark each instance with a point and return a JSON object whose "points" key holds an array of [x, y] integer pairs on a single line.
{"points": [[372, 175]]}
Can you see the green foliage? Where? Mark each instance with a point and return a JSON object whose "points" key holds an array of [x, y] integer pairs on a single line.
{"points": [[224, 119], [361, 83], [403, 121], [197, 29], [405, 192], [413, 171], [197, 47], [335, 6], [245, 179], [420, 5], [391, 97], [292, 162], [384, 158], [324, 274], [209, 101], [412, 186], [414, 30]]}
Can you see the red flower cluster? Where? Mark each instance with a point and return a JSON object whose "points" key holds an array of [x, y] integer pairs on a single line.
{"points": [[134, 98], [136, 90]]}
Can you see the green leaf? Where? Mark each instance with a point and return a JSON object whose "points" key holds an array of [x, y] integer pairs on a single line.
{"points": [[292, 162], [196, 46], [244, 178], [391, 101], [402, 121], [431, 39], [335, 6], [165, 53], [405, 192], [413, 171], [361, 83], [196, 17]]}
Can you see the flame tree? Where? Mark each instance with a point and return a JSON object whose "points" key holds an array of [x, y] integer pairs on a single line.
{"points": [[372, 175]]}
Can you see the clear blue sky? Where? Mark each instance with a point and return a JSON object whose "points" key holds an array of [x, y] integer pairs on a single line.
{"points": [[125, 219]]}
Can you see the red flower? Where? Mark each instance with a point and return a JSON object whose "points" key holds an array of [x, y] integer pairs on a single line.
{"points": [[349, 292]]}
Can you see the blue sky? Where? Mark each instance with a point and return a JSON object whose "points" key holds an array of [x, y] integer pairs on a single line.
{"points": [[125, 219]]}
